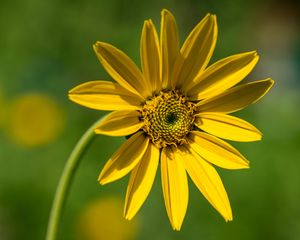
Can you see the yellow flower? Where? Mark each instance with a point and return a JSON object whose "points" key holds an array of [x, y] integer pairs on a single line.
{"points": [[174, 111]]}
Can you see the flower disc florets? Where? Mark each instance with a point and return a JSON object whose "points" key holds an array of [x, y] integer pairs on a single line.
{"points": [[168, 118]]}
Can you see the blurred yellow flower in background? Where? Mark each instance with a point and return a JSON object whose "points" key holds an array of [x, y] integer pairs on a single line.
{"points": [[33, 119], [101, 220], [2, 107], [175, 111]]}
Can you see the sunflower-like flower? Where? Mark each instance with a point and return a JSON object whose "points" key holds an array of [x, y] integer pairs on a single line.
{"points": [[174, 110]]}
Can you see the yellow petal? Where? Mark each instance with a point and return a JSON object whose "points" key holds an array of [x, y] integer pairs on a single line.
{"points": [[217, 151], [103, 95], [141, 180], [150, 56], [121, 68], [169, 43], [175, 186], [125, 159], [208, 182], [196, 51], [120, 123], [228, 127], [236, 98], [222, 75]]}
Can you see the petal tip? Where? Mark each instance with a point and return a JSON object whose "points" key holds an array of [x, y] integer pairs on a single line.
{"points": [[147, 23], [260, 137], [126, 214], [104, 179], [210, 17], [176, 227], [73, 90], [271, 81], [165, 12], [72, 97], [268, 84], [254, 55], [228, 217], [101, 180], [99, 45], [95, 45], [247, 166], [213, 16]]}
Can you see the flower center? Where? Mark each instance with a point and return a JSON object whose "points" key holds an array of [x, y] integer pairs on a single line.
{"points": [[168, 118]]}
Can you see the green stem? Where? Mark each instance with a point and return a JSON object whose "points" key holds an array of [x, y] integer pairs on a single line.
{"points": [[66, 181]]}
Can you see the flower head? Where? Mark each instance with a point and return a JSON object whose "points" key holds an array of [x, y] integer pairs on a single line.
{"points": [[175, 110]]}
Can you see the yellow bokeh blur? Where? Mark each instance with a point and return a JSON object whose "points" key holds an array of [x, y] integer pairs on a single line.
{"points": [[33, 119], [103, 219], [2, 105]]}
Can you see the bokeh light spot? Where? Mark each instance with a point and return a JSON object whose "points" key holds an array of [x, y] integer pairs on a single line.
{"points": [[2, 108], [103, 219], [34, 119]]}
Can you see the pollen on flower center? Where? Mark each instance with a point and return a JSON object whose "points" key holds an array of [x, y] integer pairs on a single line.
{"points": [[168, 118]]}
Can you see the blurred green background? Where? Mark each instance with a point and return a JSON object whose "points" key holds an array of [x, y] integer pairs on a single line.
{"points": [[46, 49]]}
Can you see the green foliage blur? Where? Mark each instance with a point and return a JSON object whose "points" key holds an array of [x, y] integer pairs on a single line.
{"points": [[46, 49]]}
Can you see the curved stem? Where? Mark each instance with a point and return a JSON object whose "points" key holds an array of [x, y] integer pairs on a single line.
{"points": [[66, 181]]}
